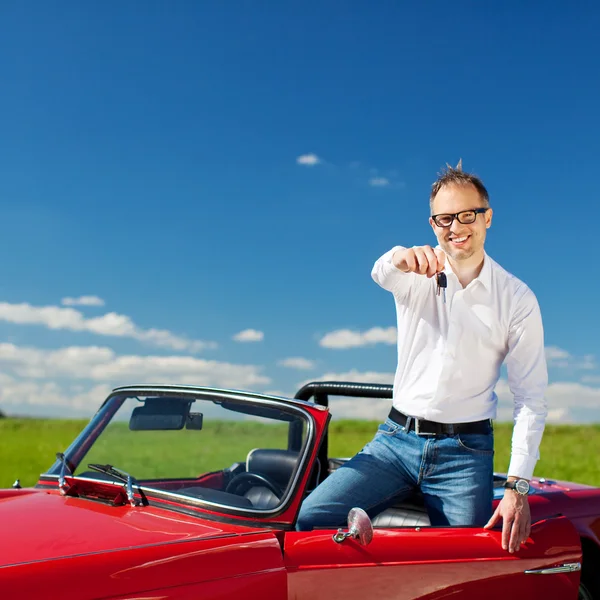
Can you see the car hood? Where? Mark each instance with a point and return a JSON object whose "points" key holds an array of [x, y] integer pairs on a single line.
{"points": [[41, 525], [558, 485]]}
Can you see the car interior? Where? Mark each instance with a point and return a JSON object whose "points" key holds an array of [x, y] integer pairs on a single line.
{"points": [[263, 479]]}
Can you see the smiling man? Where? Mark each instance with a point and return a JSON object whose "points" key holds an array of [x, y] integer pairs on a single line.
{"points": [[452, 342]]}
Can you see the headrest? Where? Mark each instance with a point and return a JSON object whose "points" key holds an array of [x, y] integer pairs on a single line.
{"points": [[276, 464]]}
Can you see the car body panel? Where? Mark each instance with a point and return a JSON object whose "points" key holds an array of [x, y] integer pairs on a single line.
{"points": [[55, 526], [251, 564], [413, 563], [99, 546]]}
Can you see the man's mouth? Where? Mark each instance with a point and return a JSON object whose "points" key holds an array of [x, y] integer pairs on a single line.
{"points": [[459, 241]]}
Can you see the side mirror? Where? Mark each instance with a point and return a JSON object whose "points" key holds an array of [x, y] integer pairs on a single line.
{"points": [[359, 528]]}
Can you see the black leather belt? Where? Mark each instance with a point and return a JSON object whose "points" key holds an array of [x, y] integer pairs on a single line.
{"points": [[422, 426]]}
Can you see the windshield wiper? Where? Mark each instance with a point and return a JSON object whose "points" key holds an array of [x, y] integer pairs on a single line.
{"points": [[126, 478]]}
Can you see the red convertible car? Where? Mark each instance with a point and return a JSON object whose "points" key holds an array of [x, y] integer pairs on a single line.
{"points": [[184, 492]]}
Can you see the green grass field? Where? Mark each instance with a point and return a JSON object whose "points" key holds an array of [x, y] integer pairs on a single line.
{"points": [[28, 447]]}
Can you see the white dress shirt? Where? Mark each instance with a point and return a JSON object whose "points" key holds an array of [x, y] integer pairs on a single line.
{"points": [[450, 354]]}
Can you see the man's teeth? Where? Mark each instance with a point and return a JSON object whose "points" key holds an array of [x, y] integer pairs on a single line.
{"points": [[458, 240]]}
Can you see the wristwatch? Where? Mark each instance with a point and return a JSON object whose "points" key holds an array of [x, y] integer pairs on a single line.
{"points": [[521, 486]]}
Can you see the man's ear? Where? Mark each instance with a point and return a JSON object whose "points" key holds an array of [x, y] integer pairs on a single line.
{"points": [[488, 218], [432, 223]]}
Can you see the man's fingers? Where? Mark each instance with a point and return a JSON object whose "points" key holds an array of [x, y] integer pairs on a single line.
{"points": [[424, 260], [515, 536], [432, 261], [493, 519], [422, 263], [507, 526], [441, 259], [516, 522], [410, 260]]}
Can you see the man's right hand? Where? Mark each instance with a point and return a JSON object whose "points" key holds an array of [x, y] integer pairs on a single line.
{"points": [[423, 260]]}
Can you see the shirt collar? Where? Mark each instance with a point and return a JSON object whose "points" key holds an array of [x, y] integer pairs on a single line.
{"points": [[485, 275]]}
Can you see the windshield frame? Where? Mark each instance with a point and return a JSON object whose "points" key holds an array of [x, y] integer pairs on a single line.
{"points": [[78, 449]]}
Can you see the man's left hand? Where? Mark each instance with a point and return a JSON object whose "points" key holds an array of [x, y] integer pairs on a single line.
{"points": [[516, 520]]}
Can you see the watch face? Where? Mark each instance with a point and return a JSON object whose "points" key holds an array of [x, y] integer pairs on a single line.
{"points": [[522, 486]]}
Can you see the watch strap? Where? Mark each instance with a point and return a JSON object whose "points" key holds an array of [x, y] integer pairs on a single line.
{"points": [[513, 485]]}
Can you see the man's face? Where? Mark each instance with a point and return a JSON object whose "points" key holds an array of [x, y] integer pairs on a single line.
{"points": [[460, 241]]}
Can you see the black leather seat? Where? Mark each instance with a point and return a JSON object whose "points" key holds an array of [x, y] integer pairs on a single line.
{"points": [[277, 466], [261, 497], [402, 516]]}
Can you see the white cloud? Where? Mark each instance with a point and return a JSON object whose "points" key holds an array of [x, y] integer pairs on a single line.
{"points": [[379, 181], [588, 362], [249, 335], [559, 358], [34, 380], [346, 338], [77, 362], [370, 409], [48, 397], [297, 362], [83, 301], [553, 353], [343, 407], [568, 402], [38, 381], [103, 365], [278, 393], [352, 376], [309, 160], [355, 376], [110, 324]]}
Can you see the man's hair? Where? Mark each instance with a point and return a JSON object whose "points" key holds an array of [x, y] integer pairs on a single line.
{"points": [[456, 176]]}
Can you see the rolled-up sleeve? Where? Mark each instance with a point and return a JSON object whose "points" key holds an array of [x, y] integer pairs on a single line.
{"points": [[388, 276], [528, 381]]}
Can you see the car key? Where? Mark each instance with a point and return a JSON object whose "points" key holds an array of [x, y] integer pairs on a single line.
{"points": [[442, 284]]}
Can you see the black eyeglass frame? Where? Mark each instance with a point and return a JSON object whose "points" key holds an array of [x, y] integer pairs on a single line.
{"points": [[477, 211]]}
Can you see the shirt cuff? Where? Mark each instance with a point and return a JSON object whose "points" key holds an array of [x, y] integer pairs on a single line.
{"points": [[521, 466]]}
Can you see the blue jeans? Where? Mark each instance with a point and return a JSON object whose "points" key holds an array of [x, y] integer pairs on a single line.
{"points": [[453, 472]]}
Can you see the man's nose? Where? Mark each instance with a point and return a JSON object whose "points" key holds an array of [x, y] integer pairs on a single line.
{"points": [[457, 226]]}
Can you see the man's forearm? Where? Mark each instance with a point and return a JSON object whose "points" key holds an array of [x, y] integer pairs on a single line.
{"points": [[530, 420]]}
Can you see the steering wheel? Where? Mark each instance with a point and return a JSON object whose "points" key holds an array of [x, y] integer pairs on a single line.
{"points": [[242, 482]]}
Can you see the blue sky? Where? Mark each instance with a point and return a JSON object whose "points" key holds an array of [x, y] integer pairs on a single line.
{"points": [[154, 156]]}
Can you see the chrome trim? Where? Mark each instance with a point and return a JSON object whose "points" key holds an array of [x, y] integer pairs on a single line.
{"points": [[190, 389], [63, 486], [297, 406], [129, 491], [564, 568]]}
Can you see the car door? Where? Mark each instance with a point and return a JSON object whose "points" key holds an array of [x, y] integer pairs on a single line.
{"points": [[428, 562]]}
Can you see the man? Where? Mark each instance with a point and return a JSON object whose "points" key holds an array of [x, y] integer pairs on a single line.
{"points": [[451, 344]]}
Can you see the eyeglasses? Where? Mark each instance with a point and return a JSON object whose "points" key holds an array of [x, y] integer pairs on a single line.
{"points": [[464, 216]]}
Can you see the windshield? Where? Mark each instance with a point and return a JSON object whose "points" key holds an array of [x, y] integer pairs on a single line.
{"points": [[222, 449]]}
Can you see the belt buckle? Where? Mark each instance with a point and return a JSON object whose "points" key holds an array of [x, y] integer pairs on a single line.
{"points": [[418, 428]]}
